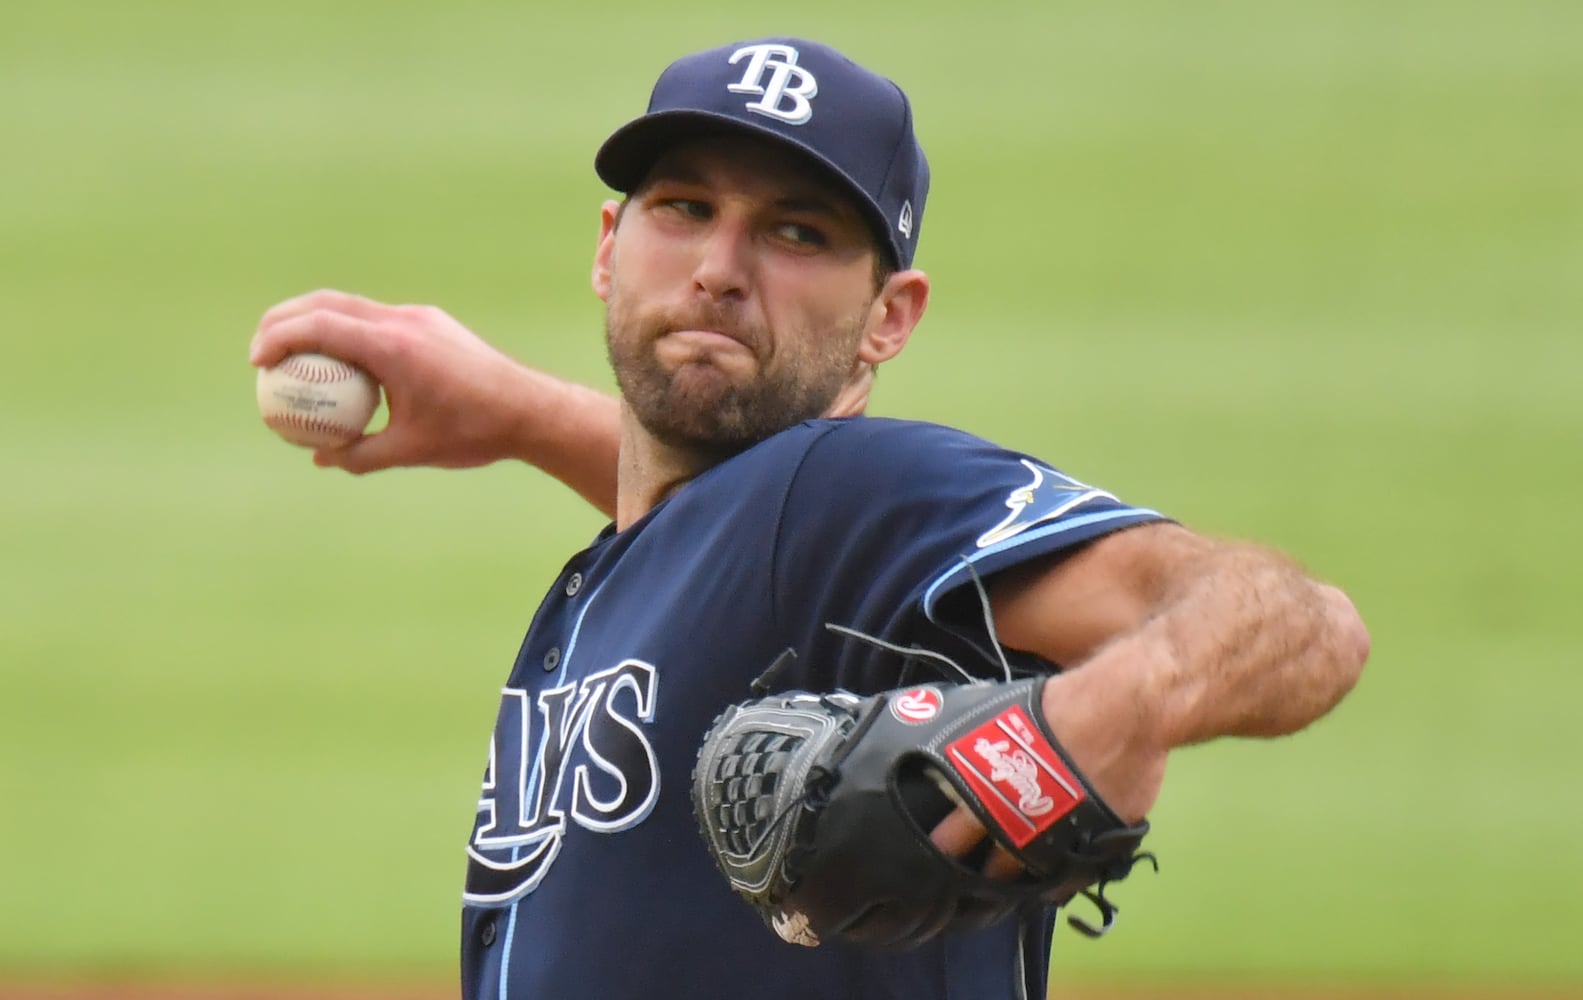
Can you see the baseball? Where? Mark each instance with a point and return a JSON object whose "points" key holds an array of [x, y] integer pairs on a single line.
{"points": [[316, 401]]}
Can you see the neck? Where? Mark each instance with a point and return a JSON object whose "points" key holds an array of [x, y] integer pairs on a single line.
{"points": [[648, 470]]}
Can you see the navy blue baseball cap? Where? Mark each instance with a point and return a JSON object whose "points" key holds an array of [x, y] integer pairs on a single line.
{"points": [[850, 120]]}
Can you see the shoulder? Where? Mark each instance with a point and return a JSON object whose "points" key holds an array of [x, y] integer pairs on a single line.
{"points": [[876, 446], [893, 432], [857, 449]]}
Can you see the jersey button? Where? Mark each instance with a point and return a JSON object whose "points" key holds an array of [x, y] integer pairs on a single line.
{"points": [[486, 933], [552, 659], [574, 584]]}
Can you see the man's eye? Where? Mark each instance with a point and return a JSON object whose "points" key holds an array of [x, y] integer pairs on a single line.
{"points": [[688, 207], [796, 232]]}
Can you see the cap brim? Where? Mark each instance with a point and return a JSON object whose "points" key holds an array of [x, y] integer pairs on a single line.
{"points": [[630, 153]]}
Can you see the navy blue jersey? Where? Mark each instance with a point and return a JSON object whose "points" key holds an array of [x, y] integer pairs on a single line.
{"points": [[586, 874]]}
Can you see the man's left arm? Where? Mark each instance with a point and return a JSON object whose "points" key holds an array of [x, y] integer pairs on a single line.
{"points": [[1174, 639], [1168, 639]]}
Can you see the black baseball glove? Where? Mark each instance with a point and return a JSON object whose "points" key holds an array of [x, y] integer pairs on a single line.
{"points": [[818, 809]]}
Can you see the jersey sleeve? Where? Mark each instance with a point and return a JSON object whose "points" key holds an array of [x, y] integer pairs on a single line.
{"points": [[886, 521]]}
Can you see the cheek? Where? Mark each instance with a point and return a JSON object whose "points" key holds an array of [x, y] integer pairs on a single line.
{"points": [[817, 299], [831, 326], [641, 264]]}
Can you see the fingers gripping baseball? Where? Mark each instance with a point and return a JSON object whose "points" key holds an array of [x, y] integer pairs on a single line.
{"points": [[441, 381]]}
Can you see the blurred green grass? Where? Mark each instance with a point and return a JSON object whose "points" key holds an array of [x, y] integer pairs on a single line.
{"points": [[1306, 273]]}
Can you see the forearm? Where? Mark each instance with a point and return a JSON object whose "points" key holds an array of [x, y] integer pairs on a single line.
{"points": [[570, 431], [1242, 644]]}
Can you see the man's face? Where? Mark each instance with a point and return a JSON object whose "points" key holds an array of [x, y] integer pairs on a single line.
{"points": [[739, 289]]}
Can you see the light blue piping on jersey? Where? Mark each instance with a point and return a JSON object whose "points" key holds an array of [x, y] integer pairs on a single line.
{"points": [[1028, 536], [560, 678]]}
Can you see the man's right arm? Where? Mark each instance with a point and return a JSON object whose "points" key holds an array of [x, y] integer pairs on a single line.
{"points": [[455, 401]]}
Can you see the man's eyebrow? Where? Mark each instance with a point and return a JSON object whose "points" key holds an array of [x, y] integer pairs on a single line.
{"points": [[811, 205], [810, 202], [676, 173]]}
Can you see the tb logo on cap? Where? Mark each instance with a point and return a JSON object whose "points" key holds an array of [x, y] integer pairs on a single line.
{"points": [[787, 82]]}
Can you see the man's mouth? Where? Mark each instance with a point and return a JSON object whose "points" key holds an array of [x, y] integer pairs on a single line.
{"points": [[710, 337]]}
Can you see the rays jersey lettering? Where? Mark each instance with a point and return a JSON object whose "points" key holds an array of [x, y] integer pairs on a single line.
{"points": [[532, 789], [1049, 496]]}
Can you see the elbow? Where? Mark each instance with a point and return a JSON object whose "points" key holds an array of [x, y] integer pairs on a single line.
{"points": [[1352, 641]]}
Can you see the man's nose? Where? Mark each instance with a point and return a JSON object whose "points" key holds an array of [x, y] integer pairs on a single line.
{"points": [[724, 262]]}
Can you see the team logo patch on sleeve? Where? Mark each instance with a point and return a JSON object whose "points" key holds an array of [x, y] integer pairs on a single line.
{"points": [[1018, 776], [1048, 497]]}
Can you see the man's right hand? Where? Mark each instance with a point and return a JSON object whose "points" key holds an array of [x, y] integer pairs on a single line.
{"points": [[455, 401]]}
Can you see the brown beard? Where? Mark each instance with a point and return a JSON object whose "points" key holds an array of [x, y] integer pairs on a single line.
{"points": [[701, 408]]}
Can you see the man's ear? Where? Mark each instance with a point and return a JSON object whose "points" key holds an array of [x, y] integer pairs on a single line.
{"points": [[609, 217], [893, 316]]}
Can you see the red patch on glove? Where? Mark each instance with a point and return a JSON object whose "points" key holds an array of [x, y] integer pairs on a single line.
{"points": [[1019, 777]]}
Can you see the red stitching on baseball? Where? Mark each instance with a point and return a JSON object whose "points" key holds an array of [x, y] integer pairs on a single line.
{"points": [[299, 422], [297, 367]]}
